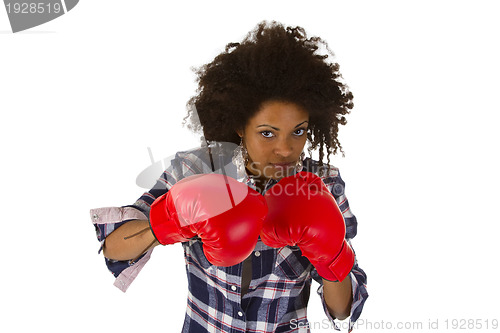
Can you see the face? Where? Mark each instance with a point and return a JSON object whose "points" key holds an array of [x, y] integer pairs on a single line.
{"points": [[275, 137]]}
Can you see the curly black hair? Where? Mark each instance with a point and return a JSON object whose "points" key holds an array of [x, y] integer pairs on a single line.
{"points": [[272, 63]]}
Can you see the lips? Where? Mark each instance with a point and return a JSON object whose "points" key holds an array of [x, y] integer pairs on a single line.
{"points": [[283, 164]]}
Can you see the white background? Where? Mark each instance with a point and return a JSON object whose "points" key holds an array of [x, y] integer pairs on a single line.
{"points": [[83, 96]]}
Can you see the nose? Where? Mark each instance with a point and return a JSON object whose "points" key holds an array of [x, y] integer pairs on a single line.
{"points": [[283, 148]]}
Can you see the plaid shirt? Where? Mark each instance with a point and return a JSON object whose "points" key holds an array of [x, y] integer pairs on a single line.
{"points": [[279, 289]]}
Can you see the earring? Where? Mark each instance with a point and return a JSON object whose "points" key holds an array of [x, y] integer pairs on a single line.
{"points": [[300, 164], [240, 157]]}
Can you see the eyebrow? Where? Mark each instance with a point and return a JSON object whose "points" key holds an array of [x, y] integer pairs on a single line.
{"points": [[277, 129]]}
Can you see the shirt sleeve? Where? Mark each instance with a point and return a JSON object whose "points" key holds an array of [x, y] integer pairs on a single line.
{"points": [[105, 221], [358, 277]]}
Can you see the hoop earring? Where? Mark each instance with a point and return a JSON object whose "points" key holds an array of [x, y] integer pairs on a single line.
{"points": [[240, 157], [300, 163]]}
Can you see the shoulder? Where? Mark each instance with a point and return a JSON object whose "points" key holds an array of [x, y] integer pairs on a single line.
{"points": [[188, 162], [215, 158], [325, 171], [328, 173], [331, 177]]}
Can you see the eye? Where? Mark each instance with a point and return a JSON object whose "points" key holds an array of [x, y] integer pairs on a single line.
{"points": [[299, 132], [267, 134]]}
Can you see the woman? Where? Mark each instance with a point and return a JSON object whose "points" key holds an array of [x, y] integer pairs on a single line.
{"points": [[267, 96]]}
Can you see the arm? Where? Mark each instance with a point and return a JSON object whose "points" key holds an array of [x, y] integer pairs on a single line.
{"points": [[106, 221], [312, 219], [338, 297], [353, 292], [118, 246], [125, 221]]}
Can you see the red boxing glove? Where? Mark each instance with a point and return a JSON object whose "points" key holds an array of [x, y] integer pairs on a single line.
{"points": [[303, 212], [227, 216]]}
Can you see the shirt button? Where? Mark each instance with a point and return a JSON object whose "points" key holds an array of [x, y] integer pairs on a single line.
{"points": [[233, 288], [95, 216], [257, 253], [240, 313]]}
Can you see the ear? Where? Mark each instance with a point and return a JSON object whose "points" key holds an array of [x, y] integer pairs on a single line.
{"points": [[239, 132]]}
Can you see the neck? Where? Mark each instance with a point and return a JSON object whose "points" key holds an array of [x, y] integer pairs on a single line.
{"points": [[260, 182]]}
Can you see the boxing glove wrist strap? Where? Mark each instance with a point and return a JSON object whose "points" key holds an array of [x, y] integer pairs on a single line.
{"points": [[339, 267], [162, 224]]}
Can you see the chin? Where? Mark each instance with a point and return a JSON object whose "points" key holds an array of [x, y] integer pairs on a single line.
{"points": [[282, 174]]}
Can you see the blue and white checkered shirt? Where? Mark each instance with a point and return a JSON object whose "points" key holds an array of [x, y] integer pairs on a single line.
{"points": [[279, 289]]}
